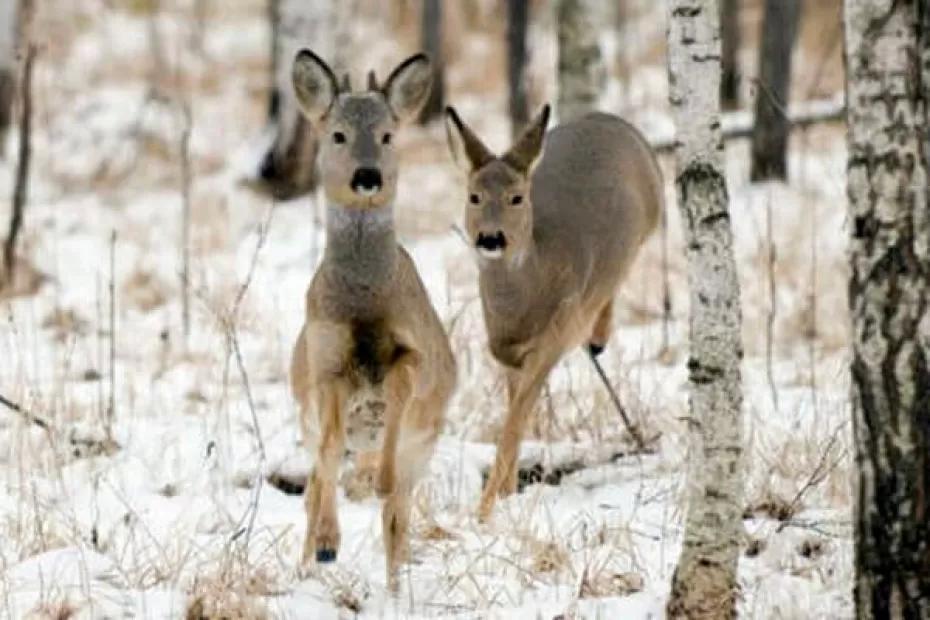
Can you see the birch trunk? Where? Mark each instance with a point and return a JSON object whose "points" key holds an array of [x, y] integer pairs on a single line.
{"points": [[431, 37], [288, 168], [581, 70], [704, 584], [517, 22], [889, 299], [770, 135], [730, 38], [8, 10]]}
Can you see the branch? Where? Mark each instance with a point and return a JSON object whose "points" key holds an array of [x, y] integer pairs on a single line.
{"points": [[737, 125], [29, 417]]}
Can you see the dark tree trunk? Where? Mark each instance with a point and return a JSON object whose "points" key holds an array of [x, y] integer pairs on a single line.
{"points": [[889, 299], [288, 168], [8, 30], [517, 21], [770, 137], [729, 60], [6, 105], [431, 36]]}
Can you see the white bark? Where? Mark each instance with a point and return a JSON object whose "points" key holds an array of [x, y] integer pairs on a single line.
{"points": [[704, 585], [581, 71], [889, 214]]}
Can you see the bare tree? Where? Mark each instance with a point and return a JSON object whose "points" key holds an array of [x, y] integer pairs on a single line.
{"points": [[889, 298], [731, 39], [8, 10], [581, 66], [288, 167], [770, 135], [517, 21], [431, 37], [704, 583]]}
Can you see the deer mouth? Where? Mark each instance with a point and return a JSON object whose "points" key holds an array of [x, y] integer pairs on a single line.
{"points": [[491, 245]]}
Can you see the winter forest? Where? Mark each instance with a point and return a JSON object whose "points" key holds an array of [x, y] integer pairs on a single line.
{"points": [[560, 309]]}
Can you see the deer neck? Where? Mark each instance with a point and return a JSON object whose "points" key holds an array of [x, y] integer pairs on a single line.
{"points": [[508, 286], [361, 246]]}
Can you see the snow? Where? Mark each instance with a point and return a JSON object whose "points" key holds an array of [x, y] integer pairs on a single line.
{"points": [[179, 509]]}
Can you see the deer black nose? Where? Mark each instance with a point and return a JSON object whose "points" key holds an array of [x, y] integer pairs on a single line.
{"points": [[366, 181], [491, 242]]}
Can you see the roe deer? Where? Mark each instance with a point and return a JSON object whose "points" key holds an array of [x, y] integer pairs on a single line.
{"points": [[554, 243], [372, 367]]}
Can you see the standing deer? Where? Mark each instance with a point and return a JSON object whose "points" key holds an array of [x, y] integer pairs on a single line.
{"points": [[554, 242], [372, 367]]}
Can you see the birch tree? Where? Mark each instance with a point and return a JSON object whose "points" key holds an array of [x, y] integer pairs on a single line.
{"points": [[8, 19], [770, 133], [889, 298], [581, 70], [704, 584], [288, 168]]}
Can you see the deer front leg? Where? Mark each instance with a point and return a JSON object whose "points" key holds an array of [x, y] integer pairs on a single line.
{"points": [[524, 388], [322, 538], [398, 389]]}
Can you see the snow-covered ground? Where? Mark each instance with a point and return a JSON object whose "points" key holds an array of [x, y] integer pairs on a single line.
{"points": [[170, 484]]}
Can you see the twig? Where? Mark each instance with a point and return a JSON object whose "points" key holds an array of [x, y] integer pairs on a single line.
{"points": [[22, 168], [185, 217], [817, 476], [634, 432], [666, 286], [233, 349], [29, 417], [111, 407], [773, 302]]}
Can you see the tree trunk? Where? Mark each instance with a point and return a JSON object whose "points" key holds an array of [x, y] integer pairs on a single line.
{"points": [[431, 37], [8, 10], [770, 137], [581, 67], [730, 36], [704, 584], [517, 21], [288, 168], [889, 299]]}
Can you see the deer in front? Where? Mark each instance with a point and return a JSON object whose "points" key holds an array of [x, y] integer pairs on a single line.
{"points": [[554, 243], [372, 369]]}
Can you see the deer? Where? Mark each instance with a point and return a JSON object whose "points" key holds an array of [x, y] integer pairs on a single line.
{"points": [[556, 223], [372, 369]]}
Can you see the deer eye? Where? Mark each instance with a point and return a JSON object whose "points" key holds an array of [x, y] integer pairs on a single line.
{"points": [[474, 199], [518, 199], [386, 138], [339, 137]]}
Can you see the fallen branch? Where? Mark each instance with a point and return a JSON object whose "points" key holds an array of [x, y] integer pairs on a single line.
{"points": [[634, 432], [737, 125], [29, 417]]}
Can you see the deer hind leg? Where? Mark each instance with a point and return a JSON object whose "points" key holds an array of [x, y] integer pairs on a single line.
{"points": [[603, 325], [322, 538], [361, 482], [524, 388]]}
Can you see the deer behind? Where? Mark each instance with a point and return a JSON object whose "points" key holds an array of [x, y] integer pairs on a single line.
{"points": [[554, 241], [372, 368]]}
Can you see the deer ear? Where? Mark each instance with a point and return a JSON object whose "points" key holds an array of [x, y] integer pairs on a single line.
{"points": [[314, 84], [525, 152], [467, 149], [408, 86]]}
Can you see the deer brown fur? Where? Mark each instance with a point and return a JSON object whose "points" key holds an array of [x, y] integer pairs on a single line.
{"points": [[555, 241], [372, 368]]}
